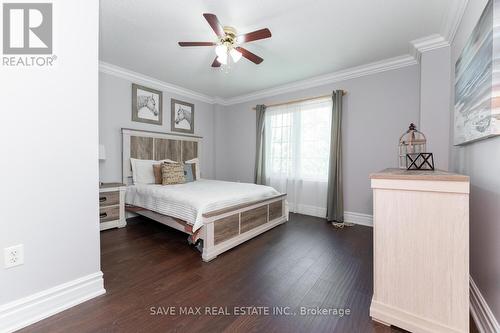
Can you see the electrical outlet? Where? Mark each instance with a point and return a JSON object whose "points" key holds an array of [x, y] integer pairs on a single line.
{"points": [[14, 255]]}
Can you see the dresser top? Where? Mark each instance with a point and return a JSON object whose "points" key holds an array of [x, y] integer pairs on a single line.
{"points": [[403, 174]]}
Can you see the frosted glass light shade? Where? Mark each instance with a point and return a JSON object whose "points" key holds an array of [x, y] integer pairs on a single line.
{"points": [[235, 54], [221, 50], [222, 59]]}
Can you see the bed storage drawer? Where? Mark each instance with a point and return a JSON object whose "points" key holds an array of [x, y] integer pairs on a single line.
{"points": [[226, 228], [109, 213], [109, 198]]}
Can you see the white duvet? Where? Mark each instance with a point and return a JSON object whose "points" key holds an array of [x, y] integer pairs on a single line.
{"points": [[189, 201]]}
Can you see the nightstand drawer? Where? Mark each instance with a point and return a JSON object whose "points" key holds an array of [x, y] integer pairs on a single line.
{"points": [[109, 214], [109, 198]]}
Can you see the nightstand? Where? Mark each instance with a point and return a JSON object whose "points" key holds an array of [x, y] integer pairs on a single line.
{"points": [[112, 206]]}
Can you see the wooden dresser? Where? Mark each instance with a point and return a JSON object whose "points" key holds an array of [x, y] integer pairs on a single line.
{"points": [[421, 250], [112, 206]]}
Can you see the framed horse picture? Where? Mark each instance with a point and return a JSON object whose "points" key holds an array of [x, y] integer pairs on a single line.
{"points": [[147, 105], [182, 114]]}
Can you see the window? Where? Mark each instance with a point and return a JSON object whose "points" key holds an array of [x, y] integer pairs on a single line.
{"points": [[297, 140]]}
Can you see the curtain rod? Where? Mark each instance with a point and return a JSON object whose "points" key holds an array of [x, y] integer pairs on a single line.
{"points": [[302, 100]]}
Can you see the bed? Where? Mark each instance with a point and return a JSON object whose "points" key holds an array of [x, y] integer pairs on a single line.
{"points": [[216, 215]]}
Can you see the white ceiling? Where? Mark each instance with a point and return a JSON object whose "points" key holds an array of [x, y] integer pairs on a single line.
{"points": [[310, 38]]}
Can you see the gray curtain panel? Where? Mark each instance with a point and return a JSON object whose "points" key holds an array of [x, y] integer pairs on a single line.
{"points": [[335, 196], [260, 177]]}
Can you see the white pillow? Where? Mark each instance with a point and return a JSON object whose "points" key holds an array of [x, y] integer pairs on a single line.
{"points": [[196, 162], [142, 170]]}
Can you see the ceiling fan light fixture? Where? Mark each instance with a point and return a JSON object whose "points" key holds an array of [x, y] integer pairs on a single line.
{"points": [[235, 55], [221, 50], [227, 47], [222, 59]]}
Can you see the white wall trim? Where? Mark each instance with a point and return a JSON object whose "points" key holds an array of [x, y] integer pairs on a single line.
{"points": [[135, 77], [308, 210], [425, 44], [358, 218], [26, 311], [481, 312], [349, 217], [453, 19], [416, 48], [350, 73]]}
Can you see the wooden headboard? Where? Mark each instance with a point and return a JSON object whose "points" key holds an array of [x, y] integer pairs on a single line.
{"points": [[146, 145]]}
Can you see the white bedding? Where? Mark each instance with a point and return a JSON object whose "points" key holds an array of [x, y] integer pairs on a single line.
{"points": [[189, 201]]}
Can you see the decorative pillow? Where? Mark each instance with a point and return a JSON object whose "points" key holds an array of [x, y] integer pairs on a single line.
{"points": [[157, 171], [196, 164], [193, 167], [172, 173], [142, 170], [188, 172]]}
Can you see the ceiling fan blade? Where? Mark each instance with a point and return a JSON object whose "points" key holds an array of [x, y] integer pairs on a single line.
{"points": [[216, 63], [215, 24], [196, 44], [255, 35], [250, 56]]}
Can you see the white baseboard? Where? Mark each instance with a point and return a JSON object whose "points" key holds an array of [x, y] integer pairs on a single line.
{"points": [[481, 312], [308, 210], [349, 217], [26, 311], [358, 218]]}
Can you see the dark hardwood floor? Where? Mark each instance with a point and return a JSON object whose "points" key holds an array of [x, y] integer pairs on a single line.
{"points": [[303, 263]]}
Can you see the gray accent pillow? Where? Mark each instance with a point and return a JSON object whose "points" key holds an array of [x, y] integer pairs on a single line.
{"points": [[189, 172]]}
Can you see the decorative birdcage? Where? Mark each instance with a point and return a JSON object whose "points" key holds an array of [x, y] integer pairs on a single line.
{"points": [[411, 142]]}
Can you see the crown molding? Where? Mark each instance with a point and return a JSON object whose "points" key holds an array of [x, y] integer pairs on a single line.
{"points": [[219, 101], [453, 19], [127, 74], [417, 47], [425, 44], [351, 73]]}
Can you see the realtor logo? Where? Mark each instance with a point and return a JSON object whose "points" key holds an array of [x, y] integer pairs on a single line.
{"points": [[27, 28]]}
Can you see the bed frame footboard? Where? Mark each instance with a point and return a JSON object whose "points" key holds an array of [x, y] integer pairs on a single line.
{"points": [[226, 228]]}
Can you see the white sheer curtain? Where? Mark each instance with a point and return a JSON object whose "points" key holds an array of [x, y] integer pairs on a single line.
{"points": [[297, 153]]}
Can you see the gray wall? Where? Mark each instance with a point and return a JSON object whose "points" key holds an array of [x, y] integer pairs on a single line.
{"points": [[435, 103], [115, 112], [481, 161], [377, 109]]}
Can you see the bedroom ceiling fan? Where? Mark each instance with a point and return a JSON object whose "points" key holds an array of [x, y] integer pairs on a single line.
{"points": [[228, 47]]}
